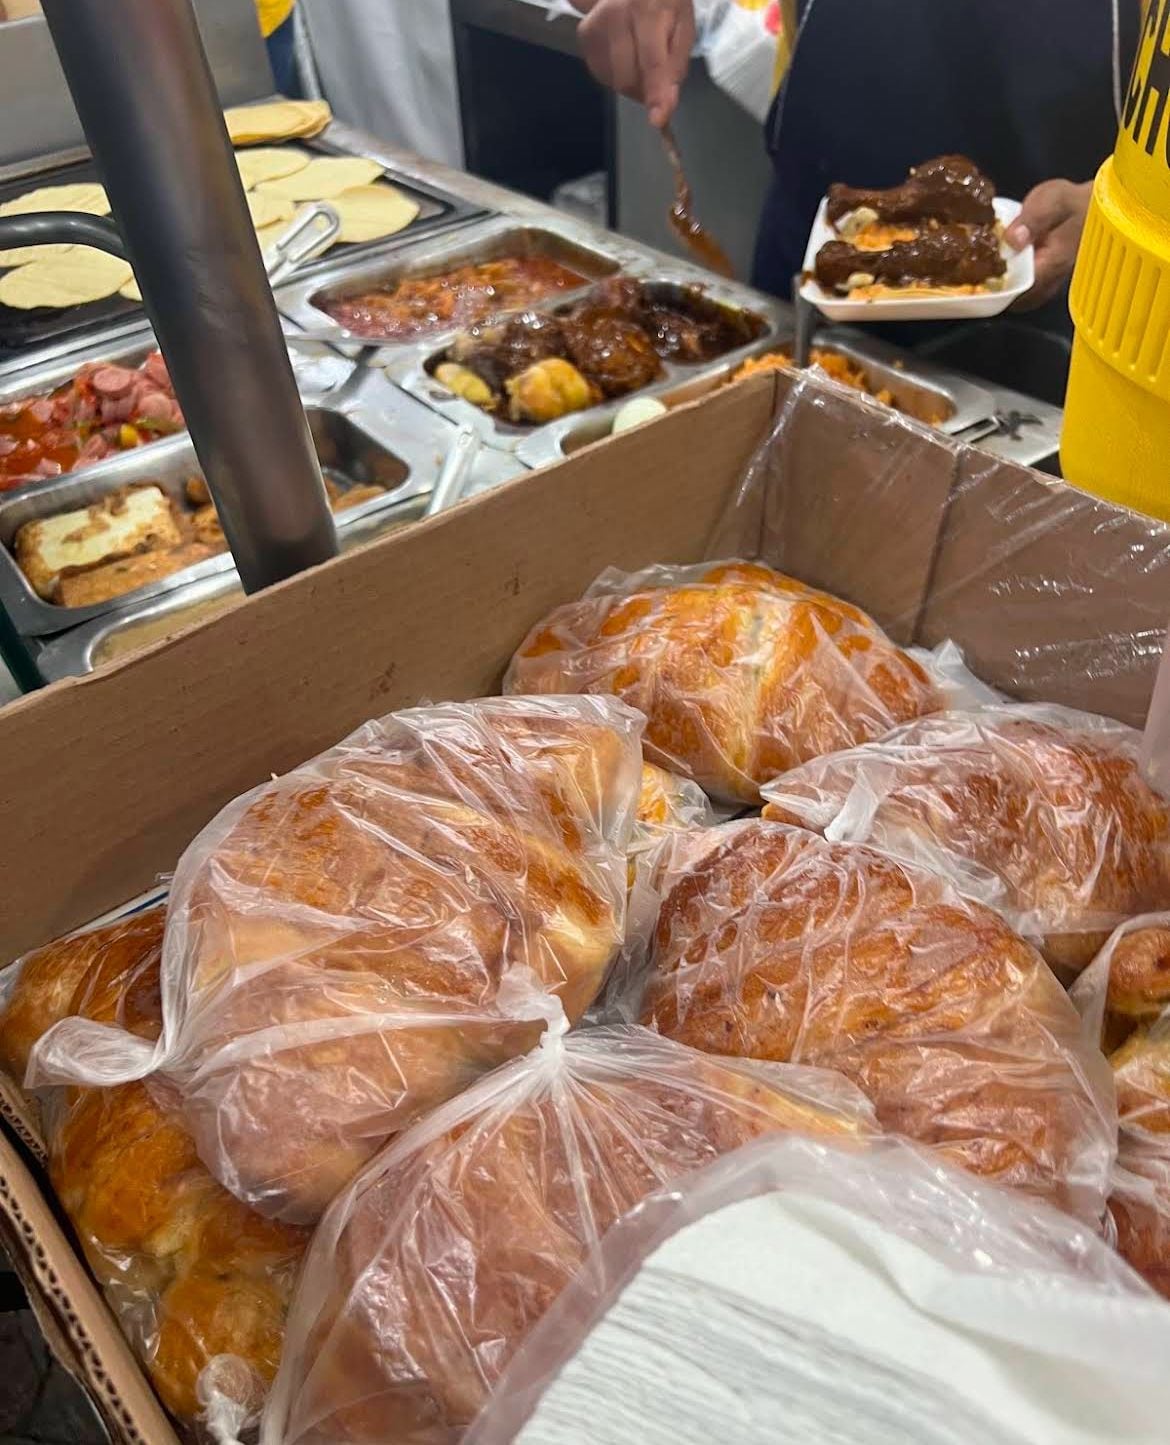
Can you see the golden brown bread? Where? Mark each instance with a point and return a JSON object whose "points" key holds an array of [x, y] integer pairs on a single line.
{"points": [[47, 980], [190, 1272], [1140, 1202], [1066, 837], [772, 943], [342, 935], [666, 804], [741, 672], [426, 1276], [1140, 1206], [1139, 974]]}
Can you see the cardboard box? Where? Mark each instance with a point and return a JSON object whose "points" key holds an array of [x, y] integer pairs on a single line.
{"points": [[103, 781]]}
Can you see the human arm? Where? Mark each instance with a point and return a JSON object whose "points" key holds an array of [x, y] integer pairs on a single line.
{"points": [[1052, 220], [640, 48]]}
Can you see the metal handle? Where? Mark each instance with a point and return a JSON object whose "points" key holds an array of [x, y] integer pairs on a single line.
{"points": [[806, 315], [157, 132], [456, 469], [310, 232], [50, 228]]}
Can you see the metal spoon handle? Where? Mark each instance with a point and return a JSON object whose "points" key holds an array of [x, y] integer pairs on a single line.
{"points": [[456, 468]]}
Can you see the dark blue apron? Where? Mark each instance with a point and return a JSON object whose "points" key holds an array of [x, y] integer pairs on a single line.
{"points": [[1023, 87]]}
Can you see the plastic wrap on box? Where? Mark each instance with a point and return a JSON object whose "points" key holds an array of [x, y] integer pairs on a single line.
{"points": [[773, 943], [1038, 811], [1052, 595], [796, 1291], [740, 671], [198, 1282], [353, 943], [429, 1270]]}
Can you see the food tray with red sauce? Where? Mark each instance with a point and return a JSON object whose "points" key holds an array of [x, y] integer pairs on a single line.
{"points": [[95, 404], [434, 290]]}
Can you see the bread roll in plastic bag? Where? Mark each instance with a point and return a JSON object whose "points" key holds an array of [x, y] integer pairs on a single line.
{"points": [[742, 673], [1125, 1000], [199, 1282], [426, 1274], [795, 1291], [666, 804], [1040, 812], [351, 944], [773, 943]]}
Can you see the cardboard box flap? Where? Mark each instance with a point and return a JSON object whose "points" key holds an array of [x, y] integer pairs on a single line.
{"points": [[846, 495], [20, 1115], [1052, 594], [78, 1326]]}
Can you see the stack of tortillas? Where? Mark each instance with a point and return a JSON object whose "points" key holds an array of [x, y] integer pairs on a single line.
{"points": [[276, 120], [277, 179]]}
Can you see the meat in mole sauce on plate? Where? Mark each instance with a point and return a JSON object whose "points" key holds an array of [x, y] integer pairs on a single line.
{"points": [[937, 231]]}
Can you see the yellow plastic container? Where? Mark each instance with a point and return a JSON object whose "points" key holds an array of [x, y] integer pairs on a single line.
{"points": [[1116, 438]]}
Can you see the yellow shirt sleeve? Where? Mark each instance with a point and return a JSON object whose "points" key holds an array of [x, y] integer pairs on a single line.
{"points": [[272, 14], [785, 41]]}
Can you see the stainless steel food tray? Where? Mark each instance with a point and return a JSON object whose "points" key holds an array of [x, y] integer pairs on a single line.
{"points": [[562, 239], [81, 650], [368, 431], [535, 446], [919, 389], [316, 368]]}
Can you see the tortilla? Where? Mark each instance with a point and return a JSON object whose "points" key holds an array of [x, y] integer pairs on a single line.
{"points": [[268, 210], [85, 196], [83, 275], [270, 163], [22, 255], [323, 178], [368, 213], [277, 120], [130, 291]]}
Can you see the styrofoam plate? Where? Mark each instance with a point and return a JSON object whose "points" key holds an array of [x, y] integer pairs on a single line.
{"points": [[1020, 276]]}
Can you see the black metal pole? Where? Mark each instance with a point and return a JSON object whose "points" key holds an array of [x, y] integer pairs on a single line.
{"points": [[144, 92]]}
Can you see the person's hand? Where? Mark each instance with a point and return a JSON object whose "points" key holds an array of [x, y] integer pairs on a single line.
{"points": [[1052, 219], [640, 48]]}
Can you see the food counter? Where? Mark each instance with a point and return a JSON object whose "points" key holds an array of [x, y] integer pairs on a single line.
{"points": [[348, 1123], [374, 385]]}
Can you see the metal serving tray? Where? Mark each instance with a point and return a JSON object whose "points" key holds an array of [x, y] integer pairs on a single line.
{"points": [[560, 239], [130, 628], [94, 643], [537, 445], [923, 392], [21, 331], [364, 430], [316, 368]]}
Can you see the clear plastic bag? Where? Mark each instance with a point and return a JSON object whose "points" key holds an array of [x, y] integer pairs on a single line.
{"points": [[429, 1270], [1123, 998], [773, 943], [742, 673], [667, 804], [1038, 811], [796, 1291], [199, 1283], [351, 944]]}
